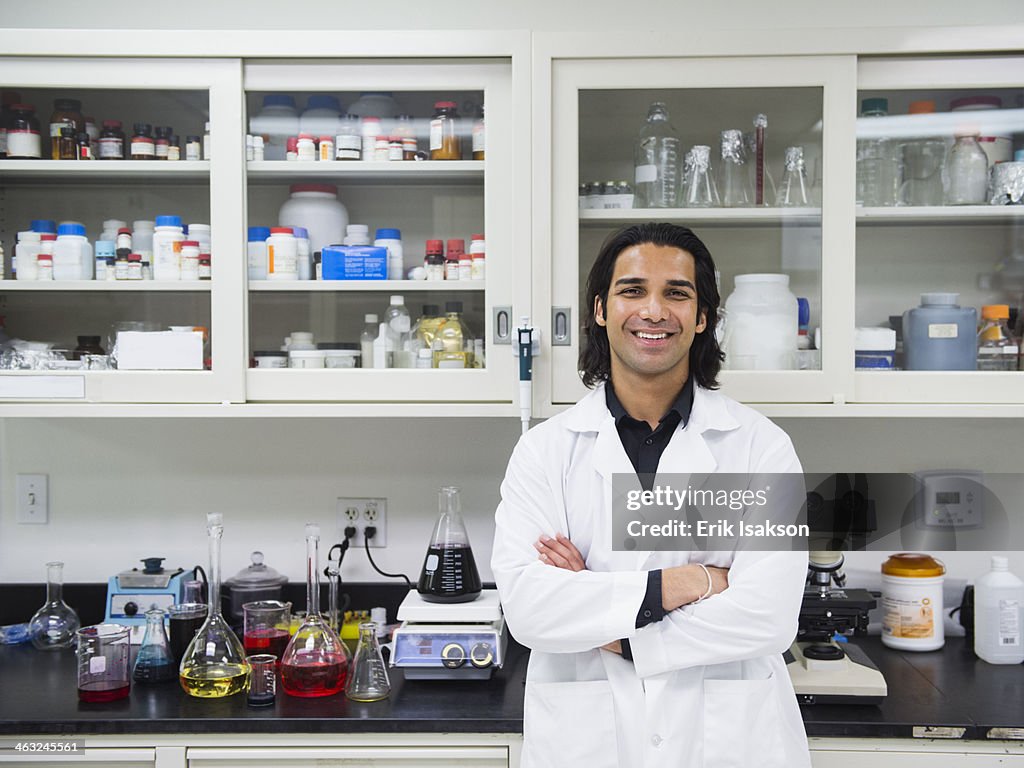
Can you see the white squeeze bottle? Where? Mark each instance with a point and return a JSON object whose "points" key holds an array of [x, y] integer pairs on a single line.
{"points": [[998, 598]]}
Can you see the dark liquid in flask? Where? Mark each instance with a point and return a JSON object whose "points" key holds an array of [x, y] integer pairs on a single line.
{"points": [[322, 677], [182, 630], [102, 692], [272, 641], [452, 576], [157, 672]]}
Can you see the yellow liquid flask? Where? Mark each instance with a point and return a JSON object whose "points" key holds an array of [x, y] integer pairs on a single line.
{"points": [[214, 664]]}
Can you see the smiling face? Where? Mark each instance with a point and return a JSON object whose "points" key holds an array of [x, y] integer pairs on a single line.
{"points": [[651, 314]]}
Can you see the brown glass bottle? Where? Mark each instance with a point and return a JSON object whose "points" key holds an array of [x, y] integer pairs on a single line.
{"points": [[67, 148], [66, 113], [444, 132]]}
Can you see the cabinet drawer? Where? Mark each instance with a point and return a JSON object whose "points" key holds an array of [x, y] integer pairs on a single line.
{"points": [[350, 757]]}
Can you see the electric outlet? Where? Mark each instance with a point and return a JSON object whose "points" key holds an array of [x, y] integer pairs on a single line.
{"points": [[361, 513], [33, 499]]}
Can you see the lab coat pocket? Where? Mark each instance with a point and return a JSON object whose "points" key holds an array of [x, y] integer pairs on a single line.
{"points": [[569, 725], [742, 724]]}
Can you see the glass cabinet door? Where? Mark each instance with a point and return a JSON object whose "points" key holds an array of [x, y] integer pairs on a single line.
{"points": [[146, 324], [757, 218], [940, 235], [390, 159]]}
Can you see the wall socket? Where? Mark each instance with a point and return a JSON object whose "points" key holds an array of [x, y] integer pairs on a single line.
{"points": [[360, 513], [33, 499]]}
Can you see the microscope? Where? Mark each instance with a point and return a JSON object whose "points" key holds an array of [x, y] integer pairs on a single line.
{"points": [[823, 664]]}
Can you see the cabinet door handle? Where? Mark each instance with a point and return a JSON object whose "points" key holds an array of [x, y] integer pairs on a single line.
{"points": [[561, 326]]}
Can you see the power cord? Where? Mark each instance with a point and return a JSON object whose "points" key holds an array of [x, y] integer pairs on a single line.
{"points": [[368, 533]]}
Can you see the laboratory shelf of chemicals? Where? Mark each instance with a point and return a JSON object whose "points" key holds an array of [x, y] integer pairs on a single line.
{"points": [[118, 263], [397, 186]]}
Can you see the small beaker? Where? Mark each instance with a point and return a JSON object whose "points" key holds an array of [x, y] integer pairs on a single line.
{"points": [[262, 679], [192, 591], [368, 678], [700, 191], [266, 627], [922, 172], [103, 651], [186, 619]]}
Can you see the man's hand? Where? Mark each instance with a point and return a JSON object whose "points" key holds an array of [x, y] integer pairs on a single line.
{"points": [[560, 552], [685, 584]]}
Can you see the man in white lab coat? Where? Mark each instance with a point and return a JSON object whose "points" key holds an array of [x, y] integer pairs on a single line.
{"points": [[647, 658]]}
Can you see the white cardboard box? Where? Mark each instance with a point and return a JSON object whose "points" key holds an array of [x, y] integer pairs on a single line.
{"points": [[160, 351]]}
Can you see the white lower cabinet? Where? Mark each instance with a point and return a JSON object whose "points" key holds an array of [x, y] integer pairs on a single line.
{"points": [[122, 758], [910, 753], [350, 757]]}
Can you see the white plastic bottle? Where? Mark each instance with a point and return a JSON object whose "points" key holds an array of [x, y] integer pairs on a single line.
{"points": [[256, 252], [201, 234], [167, 239], [304, 257], [26, 253], [315, 207], [478, 254], [321, 117], [142, 238], [366, 340], [72, 253], [110, 227], [392, 240], [282, 254], [381, 354], [998, 600], [356, 234], [275, 122], [399, 325]]}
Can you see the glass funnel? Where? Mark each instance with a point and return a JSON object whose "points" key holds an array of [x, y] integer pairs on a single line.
{"points": [[54, 625], [214, 664], [368, 678], [449, 570], [154, 663], [315, 662]]}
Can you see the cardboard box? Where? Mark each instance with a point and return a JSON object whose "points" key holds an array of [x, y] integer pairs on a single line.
{"points": [[160, 351]]}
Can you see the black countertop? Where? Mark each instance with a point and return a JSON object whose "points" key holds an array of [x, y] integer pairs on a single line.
{"points": [[946, 688]]}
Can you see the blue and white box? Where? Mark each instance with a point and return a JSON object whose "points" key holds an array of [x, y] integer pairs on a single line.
{"points": [[353, 262]]}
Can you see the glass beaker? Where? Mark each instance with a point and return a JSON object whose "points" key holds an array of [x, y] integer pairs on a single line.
{"points": [[185, 621], [449, 572], [922, 172], [368, 678], [265, 627], [734, 183], [53, 626], [793, 190], [262, 679], [700, 191], [154, 663], [102, 654], [214, 664], [192, 591], [315, 662]]}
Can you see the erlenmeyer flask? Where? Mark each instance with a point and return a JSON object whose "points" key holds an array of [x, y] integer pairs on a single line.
{"points": [[368, 678], [214, 664], [154, 663], [449, 571], [54, 625], [700, 191], [793, 190], [734, 184], [315, 662]]}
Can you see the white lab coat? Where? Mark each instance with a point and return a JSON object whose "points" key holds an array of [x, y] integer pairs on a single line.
{"points": [[707, 687]]}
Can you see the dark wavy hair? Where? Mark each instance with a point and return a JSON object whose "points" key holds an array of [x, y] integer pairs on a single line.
{"points": [[705, 355]]}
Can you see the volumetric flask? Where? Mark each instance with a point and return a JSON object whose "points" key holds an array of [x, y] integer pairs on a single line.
{"points": [[54, 625], [449, 570], [368, 678], [266, 624], [154, 663], [262, 679], [103, 663], [185, 621]]}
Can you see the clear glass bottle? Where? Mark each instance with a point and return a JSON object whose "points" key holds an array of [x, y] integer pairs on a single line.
{"points": [[450, 339], [368, 679], [734, 182], [967, 172], [214, 665], [700, 190], [793, 190], [315, 663], [997, 347], [154, 663], [53, 626], [399, 327], [878, 171], [449, 572], [656, 158], [445, 138]]}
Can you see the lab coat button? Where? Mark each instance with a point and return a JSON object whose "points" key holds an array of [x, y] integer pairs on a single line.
{"points": [[649, 441], [647, 614], [656, 740]]}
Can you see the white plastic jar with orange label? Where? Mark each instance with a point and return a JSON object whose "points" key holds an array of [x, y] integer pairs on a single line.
{"points": [[282, 254], [912, 611]]}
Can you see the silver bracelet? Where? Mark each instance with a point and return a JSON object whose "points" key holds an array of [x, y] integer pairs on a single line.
{"points": [[707, 594]]}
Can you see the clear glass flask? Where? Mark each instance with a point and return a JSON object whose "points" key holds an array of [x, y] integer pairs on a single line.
{"points": [[154, 663], [656, 161], [368, 678], [700, 191], [734, 182], [214, 665], [793, 190], [449, 572], [53, 626], [316, 661]]}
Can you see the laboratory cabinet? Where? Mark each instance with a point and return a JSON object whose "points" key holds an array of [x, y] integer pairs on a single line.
{"points": [[913, 753]]}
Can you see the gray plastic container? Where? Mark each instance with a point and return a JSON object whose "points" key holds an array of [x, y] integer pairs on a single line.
{"points": [[940, 335]]}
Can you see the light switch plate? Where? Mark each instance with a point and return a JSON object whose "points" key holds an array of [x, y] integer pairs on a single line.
{"points": [[32, 499]]}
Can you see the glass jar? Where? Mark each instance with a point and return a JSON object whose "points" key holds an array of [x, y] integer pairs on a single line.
{"points": [[349, 140], [66, 148], [405, 129], [967, 169], [143, 145], [23, 141], [111, 141], [87, 345], [162, 145], [444, 132], [479, 137], [66, 113]]}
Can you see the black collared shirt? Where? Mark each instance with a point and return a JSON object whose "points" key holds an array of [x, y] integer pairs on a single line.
{"points": [[644, 447]]}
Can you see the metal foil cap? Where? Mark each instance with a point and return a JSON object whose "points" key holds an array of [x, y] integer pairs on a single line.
{"points": [[761, 121], [794, 158], [1007, 184], [701, 158], [732, 145]]}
